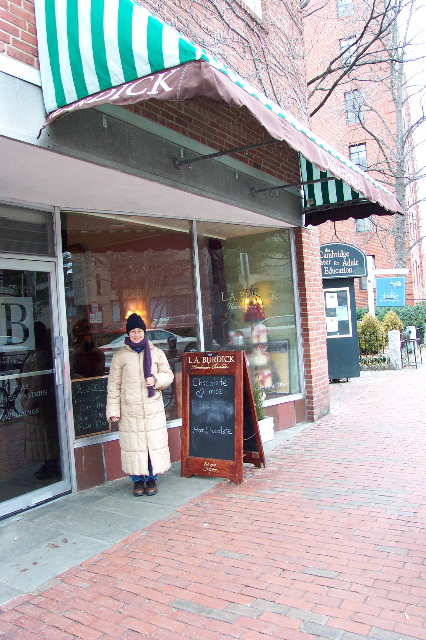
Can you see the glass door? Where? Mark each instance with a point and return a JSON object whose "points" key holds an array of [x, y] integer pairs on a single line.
{"points": [[33, 465]]}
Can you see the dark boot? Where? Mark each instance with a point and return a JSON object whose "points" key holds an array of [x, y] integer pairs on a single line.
{"points": [[151, 488], [138, 488]]}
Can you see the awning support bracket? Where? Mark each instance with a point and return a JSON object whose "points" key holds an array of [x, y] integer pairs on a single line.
{"points": [[218, 154], [289, 186]]}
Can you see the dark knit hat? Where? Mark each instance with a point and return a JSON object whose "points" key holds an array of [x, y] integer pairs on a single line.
{"points": [[134, 321]]}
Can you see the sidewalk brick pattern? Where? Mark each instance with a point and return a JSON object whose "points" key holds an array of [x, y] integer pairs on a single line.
{"points": [[327, 543]]}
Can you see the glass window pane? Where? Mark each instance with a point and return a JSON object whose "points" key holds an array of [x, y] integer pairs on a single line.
{"points": [[338, 313], [348, 50], [248, 300], [363, 285], [354, 106], [344, 8], [26, 231], [363, 225], [255, 6], [115, 267], [30, 443], [358, 155]]}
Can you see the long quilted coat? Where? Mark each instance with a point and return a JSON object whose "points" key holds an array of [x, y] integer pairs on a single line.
{"points": [[142, 424]]}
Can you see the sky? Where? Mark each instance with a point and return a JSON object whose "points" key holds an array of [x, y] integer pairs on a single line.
{"points": [[416, 70]]}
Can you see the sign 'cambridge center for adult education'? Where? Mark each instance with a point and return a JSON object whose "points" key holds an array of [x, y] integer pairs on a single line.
{"points": [[341, 260], [220, 430]]}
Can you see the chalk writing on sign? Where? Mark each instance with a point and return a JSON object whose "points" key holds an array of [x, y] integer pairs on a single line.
{"points": [[89, 403], [212, 416]]}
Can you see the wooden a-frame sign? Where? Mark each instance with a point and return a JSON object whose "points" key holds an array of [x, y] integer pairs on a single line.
{"points": [[220, 430]]}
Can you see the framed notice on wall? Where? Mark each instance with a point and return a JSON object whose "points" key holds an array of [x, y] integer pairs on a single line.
{"points": [[338, 313], [220, 430]]}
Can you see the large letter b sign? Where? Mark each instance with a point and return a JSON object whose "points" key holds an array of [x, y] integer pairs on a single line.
{"points": [[16, 324]]}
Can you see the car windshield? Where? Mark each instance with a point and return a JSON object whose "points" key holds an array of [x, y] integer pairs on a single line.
{"points": [[114, 343], [277, 321]]}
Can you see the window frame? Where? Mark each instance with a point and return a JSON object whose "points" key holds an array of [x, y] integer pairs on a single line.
{"points": [[255, 6], [371, 265], [354, 103], [344, 8], [348, 50], [354, 149], [364, 225]]}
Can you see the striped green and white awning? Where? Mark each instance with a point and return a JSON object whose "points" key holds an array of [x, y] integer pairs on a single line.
{"points": [[328, 192], [87, 46], [97, 51]]}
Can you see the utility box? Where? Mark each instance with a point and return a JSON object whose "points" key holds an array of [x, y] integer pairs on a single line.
{"points": [[411, 332]]}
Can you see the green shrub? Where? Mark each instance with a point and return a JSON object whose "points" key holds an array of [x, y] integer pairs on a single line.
{"points": [[415, 316], [370, 335], [379, 362], [360, 313], [370, 324], [409, 315], [392, 321]]}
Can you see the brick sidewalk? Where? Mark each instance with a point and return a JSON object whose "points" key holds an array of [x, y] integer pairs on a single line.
{"points": [[327, 542]]}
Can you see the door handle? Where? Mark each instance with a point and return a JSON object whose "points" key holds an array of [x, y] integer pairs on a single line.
{"points": [[59, 360]]}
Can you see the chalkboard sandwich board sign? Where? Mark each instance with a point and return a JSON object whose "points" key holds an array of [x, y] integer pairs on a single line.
{"points": [[220, 430], [89, 404]]}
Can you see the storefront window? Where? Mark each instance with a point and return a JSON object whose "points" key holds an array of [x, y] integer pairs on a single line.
{"points": [[26, 231], [248, 300], [115, 266]]}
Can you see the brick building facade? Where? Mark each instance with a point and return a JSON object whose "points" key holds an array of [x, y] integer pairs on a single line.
{"points": [[365, 91], [105, 211]]}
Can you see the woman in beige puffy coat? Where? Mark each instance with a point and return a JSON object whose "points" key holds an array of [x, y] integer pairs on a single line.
{"points": [[138, 373]]}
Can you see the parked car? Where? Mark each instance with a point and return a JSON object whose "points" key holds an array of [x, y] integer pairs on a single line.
{"points": [[184, 325], [187, 320], [172, 344]]}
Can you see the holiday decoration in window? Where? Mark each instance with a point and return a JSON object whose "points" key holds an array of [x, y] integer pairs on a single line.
{"points": [[253, 306]]}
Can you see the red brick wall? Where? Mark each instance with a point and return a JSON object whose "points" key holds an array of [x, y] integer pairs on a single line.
{"points": [[379, 242], [313, 323], [224, 127], [269, 53], [17, 31], [323, 30], [229, 32], [226, 31]]}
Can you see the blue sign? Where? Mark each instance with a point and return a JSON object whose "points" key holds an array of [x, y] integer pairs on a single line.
{"points": [[390, 292]]}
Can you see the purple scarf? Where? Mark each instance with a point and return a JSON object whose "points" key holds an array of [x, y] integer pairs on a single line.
{"points": [[147, 360]]}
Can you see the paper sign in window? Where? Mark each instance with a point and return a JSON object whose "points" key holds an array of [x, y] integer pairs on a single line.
{"points": [[330, 300], [332, 325], [342, 313]]}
